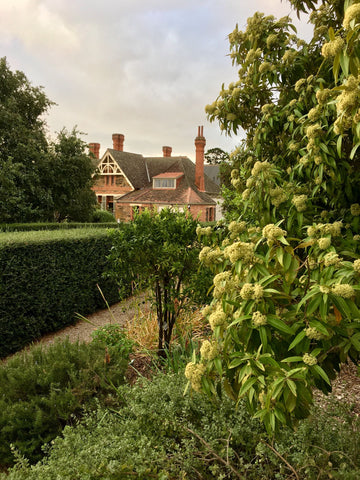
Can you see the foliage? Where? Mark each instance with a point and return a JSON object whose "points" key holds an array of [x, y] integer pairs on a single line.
{"points": [[285, 308], [158, 251], [48, 276], [23, 148], [216, 156], [28, 227], [102, 216], [115, 339], [44, 389], [71, 178], [160, 433], [38, 180]]}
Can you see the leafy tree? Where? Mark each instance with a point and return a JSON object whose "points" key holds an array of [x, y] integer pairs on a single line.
{"points": [[38, 180], [71, 178], [286, 291], [157, 251], [216, 156], [23, 148]]}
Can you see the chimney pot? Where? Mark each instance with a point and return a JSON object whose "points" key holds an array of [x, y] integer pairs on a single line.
{"points": [[167, 151], [94, 148], [118, 141]]}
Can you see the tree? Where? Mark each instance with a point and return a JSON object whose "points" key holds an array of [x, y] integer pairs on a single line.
{"points": [[23, 148], [216, 156], [286, 291], [38, 180], [71, 178], [157, 251]]}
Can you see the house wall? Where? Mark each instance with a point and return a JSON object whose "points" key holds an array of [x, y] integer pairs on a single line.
{"points": [[119, 186], [124, 211]]}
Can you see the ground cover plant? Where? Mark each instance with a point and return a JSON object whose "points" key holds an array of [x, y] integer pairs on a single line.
{"points": [[285, 302], [48, 387], [157, 432]]}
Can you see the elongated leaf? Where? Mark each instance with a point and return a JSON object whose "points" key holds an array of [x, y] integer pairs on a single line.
{"points": [[292, 359], [292, 385], [322, 373], [299, 337], [280, 325], [247, 385]]}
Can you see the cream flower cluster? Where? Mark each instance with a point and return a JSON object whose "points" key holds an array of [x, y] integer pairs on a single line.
{"points": [[217, 318], [332, 48], [300, 202], [209, 255], [314, 113], [324, 243], [240, 251], [224, 283], [207, 231], [289, 56], [323, 95], [209, 350], [236, 228], [299, 84], [351, 13], [194, 372], [314, 334], [343, 290], [333, 229], [260, 167], [250, 291], [259, 319], [278, 196], [356, 265], [272, 232], [331, 258], [309, 359]]}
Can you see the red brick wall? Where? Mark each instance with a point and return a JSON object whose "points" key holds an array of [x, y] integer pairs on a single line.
{"points": [[119, 187]]}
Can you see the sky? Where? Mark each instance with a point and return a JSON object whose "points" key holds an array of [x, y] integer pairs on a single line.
{"points": [[143, 68]]}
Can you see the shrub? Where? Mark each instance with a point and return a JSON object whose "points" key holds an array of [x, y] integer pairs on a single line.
{"points": [[45, 389], [46, 277], [102, 216], [160, 433]]}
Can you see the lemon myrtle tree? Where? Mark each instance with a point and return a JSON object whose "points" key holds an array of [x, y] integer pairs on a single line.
{"points": [[284, 313]]}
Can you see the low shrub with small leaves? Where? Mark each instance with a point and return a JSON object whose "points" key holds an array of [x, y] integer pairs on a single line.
{"points": [[158, 433], [44, 389]]}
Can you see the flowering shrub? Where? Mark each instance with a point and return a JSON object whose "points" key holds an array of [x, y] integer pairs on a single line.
{"points": [[283, 319]]}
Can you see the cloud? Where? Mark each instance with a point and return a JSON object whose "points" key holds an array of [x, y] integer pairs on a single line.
{"points": [[144, 68]]}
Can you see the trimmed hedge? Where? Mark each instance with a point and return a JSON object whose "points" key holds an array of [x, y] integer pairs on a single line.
{"points": [[47, 277], [27, 227]]}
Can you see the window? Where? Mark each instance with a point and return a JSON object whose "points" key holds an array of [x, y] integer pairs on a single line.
{"points": [[164, 183], [210, 214]]}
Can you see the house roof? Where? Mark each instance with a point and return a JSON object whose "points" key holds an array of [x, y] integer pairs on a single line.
{"points": [[141, 170]]}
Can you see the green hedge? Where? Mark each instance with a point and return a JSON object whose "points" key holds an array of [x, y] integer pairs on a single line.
{"points": [[46, 277], [27, 227]]}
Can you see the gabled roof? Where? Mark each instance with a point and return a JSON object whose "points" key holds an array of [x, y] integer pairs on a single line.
{"points": [[141, 170]]}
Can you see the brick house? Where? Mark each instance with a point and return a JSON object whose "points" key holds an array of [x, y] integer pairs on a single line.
{"points": [[129, 182]]}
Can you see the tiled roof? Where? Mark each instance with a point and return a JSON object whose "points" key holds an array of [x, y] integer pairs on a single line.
{"points": [[141, 170]]}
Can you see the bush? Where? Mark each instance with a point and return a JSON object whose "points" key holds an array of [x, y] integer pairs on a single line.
{"points": [[29, 227], [160, 433], [45, 277], [45, 389], [102, 216]]}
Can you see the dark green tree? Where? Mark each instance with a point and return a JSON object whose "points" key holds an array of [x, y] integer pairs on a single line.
{"points": [[71, 177], [216, 156], [23, 148]]}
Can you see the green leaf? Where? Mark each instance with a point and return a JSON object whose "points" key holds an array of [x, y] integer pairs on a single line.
{"points": [[299, 337], [263, 336], [321, 372], [292, 385], [279, 325], [292, 359], [247, 385]]}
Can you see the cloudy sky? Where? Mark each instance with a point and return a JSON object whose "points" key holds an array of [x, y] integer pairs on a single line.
{"points": [[143, 68]]}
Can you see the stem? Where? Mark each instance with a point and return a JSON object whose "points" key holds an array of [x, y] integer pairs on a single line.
{"points": [[282, 458]]}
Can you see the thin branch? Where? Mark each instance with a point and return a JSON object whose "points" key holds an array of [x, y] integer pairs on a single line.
{"points": [[282, 458], [216, 456]]}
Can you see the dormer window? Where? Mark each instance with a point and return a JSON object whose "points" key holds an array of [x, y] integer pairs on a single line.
{"points": [[167, 180]]}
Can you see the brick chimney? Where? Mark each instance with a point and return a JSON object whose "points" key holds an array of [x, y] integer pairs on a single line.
{"points": [[167, 151], [199, 162], [118, 142], [94, 148]]}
